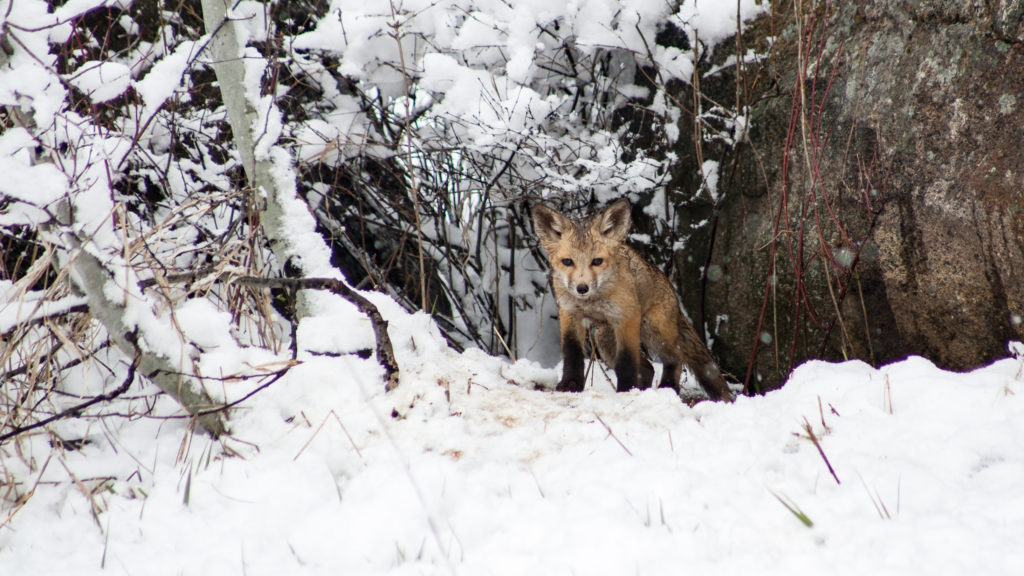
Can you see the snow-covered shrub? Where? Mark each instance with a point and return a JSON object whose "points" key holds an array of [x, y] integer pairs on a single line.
{"points": [[438, 123]]}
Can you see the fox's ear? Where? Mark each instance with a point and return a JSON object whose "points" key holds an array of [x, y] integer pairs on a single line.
{"points": [[547, 223], [614, 222]]}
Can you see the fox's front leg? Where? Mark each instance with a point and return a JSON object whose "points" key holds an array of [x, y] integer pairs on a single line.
{"points": [[627, 359], [572, 353]]}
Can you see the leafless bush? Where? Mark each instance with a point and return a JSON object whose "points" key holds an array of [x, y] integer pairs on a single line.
{"points": [[428, 200]]}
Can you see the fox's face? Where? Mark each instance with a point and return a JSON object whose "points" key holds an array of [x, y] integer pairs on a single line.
{"points": [[582, 253], [581, 266]]}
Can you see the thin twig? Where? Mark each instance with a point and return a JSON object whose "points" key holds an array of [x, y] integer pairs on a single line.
{"points": [[612, 434], [76, 409], [817, 444]]}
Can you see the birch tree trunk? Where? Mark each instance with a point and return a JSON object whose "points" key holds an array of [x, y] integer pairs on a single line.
{"points": [[227, 49], [92, 277]]}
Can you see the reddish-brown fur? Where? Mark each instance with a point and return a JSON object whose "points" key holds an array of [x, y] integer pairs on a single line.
{"points": [[629, 305]]}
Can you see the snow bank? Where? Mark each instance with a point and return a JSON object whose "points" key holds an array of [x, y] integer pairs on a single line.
{"points": [[467, 468]]}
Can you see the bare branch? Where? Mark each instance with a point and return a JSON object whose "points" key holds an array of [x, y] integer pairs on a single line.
{"points": [[385, 353], [78, 408]]}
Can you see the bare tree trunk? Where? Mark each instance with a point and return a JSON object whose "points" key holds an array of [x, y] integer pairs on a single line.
{"points": [[92, 277], [226, 51], [266, 180]]}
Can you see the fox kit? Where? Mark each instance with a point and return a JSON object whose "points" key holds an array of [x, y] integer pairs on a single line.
{"points": [[629, 305]]}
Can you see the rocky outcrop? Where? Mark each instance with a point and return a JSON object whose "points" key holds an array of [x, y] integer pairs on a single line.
{"points": [[879, 210]]}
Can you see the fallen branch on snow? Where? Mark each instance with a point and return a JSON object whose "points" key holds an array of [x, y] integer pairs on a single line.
{"points": [[385, 353]]}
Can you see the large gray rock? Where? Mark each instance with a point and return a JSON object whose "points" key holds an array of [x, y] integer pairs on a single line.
{"points": [[918, 111]]}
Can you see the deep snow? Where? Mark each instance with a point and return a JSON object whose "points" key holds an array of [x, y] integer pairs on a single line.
{"points": [[467, 468]]}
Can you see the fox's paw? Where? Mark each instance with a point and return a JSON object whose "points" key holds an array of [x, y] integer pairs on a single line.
{"points": [[569, 386]]}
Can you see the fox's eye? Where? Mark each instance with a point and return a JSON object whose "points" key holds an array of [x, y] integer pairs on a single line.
{"points": [[597, 261], [567, 261]]}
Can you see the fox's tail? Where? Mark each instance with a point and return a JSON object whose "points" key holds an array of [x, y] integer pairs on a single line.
{"points": [[704, 367], [710, 378]]}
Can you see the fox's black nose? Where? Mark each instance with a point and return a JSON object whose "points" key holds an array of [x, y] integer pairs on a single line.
{"points": [[582, 288]]}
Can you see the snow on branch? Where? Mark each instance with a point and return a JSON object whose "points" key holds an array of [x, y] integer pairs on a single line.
{"points": [[255, 127]]}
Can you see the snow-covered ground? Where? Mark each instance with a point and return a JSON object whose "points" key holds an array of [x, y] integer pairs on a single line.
{"points": [[467, 468]]}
